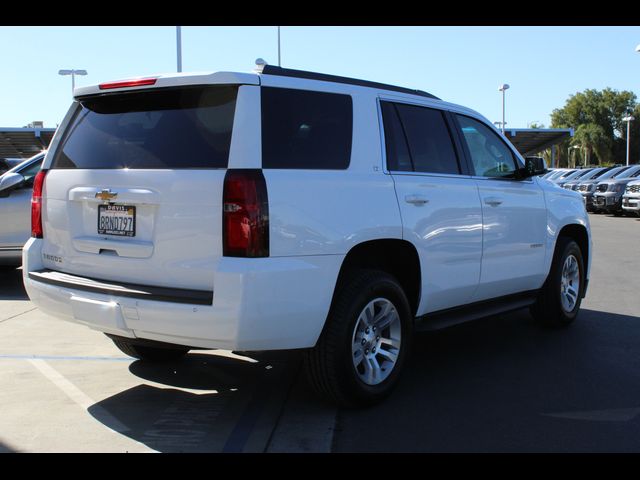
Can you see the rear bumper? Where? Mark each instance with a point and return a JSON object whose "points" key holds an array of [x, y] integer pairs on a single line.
{"points": [[258, 304]]}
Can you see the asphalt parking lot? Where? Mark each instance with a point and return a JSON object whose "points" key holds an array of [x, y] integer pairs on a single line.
{"points": [[502, 384]]}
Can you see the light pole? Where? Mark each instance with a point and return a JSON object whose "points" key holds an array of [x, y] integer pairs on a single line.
{"points": [[279, 63], [73, 74], [503, 88], [628, 119], [179, 47], [569, 155]]}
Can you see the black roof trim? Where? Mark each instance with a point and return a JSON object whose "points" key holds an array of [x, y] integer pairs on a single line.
{"points": [[288, 72]]}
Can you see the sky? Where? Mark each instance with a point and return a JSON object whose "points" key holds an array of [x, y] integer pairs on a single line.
{"points": [[464, 65]]}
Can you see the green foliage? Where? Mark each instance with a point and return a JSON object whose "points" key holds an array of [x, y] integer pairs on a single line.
{"points": [[596, 116]]}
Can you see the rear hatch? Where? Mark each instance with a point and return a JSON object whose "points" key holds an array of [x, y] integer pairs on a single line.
{"points": [[134, 188]]}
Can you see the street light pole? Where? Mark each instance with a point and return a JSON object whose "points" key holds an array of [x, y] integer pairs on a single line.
{"points": [[628, 119], [73, 74], [179, 47], [503, 88], [569, 156], [279, 63]]}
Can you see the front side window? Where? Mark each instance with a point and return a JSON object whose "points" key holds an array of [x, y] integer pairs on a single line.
{"points": [[490, 156], [305, 129]]}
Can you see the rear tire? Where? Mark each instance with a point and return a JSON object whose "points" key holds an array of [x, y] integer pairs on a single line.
{"points": [[150, 354], [363, 347], [559, 300]]}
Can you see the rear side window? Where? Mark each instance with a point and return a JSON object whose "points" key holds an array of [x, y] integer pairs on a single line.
{"points": [[417, 139], [153, 129], [306, 130]]}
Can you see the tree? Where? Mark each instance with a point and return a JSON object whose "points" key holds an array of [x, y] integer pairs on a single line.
{"points": [[592, 138], [601, 113]]}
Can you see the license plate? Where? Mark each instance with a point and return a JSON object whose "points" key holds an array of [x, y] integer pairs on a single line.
{"points": [[117, 220]]}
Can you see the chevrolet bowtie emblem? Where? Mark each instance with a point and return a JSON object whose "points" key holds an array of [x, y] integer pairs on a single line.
{"points": [[106, 195]]}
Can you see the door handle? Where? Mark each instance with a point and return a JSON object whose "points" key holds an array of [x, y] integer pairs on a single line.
{"points": [[493, 201], [416, 199]]}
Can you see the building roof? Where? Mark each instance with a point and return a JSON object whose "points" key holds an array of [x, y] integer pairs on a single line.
{"points": [[24, 142], [529, 141]]}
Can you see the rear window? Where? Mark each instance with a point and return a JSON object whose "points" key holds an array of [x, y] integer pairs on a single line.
{"points": [[305, 129], [153, 129]]}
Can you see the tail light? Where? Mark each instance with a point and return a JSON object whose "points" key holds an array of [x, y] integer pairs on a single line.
{"points": [[36, 204], [245, 216]]}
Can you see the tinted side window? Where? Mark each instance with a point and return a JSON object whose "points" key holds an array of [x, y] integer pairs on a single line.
{"points": [[398, 158], [417, 139], [430, 144], [305, 129], [490, 156]]}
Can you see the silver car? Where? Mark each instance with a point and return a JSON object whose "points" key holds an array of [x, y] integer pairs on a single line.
{"points": [[15, 209]]}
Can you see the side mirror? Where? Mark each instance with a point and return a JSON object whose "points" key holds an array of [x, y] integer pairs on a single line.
{"points": [[534, 166], [9, 182]]}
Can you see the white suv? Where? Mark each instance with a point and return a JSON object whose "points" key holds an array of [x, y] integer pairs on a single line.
{"points": [[292, 210]]}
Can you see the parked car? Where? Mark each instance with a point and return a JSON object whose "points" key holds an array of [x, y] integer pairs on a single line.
{"points": [[550, 172], [631, 198], [608, 195], [590, 173], [294, 210], [574, 176], [587, 188], [15, 209], [560, 174], [556, 179]]}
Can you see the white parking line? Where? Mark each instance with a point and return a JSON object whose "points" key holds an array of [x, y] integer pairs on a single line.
{"points": [[78, 396]]}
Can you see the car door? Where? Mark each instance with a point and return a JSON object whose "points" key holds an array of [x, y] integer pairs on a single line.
{"points": [[514, 215], [438, 201], [15, 210]]}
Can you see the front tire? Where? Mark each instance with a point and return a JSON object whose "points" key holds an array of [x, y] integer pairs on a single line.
{"points": [[560, 297], [363, 347]]}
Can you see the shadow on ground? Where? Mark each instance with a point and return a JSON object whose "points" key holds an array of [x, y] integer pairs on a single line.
{"points": [[504, 384], [11, 285], [203, 403]]}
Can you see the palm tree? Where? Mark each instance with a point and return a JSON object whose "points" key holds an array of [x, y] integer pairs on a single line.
{"points": [[592, 139]]}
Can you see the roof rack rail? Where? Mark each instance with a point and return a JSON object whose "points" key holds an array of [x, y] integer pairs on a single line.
{"points": [[288, 72]]}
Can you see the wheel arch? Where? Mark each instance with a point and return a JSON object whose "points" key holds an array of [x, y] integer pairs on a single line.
{"points": [[394, 256], [580, 234]]}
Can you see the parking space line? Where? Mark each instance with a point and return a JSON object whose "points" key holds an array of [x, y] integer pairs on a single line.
{"points": [[18, 314], [56, 357], [78, 396]]}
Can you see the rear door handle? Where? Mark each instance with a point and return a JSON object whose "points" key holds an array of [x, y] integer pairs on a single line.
{"points": [[493, 201], [416, 199]]}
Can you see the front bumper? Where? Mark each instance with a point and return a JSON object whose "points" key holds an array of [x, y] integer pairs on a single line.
{"points": [[631, 203], [258, 304], [608, 201]]}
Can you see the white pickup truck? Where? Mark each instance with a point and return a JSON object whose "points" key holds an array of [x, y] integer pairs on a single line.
{"points": [[285, 209]]}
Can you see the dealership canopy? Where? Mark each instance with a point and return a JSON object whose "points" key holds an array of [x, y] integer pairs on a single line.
{"points": [[24, 142], [531, 141]]}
